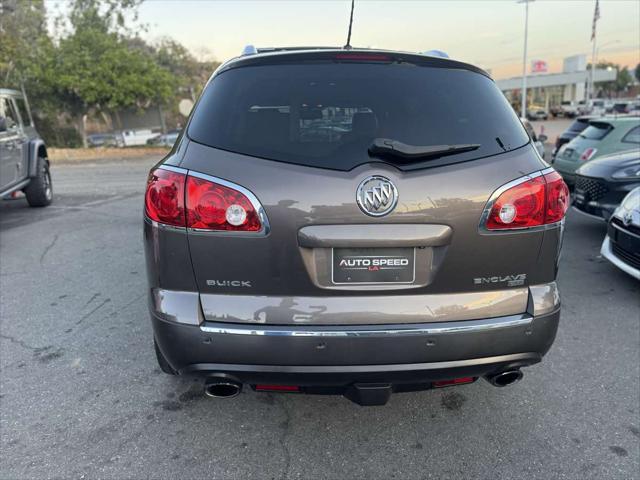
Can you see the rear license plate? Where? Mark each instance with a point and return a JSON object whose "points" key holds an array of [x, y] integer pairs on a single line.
{"points": [[373, 265]]}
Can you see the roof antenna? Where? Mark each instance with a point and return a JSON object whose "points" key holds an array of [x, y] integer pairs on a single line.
{"points": [[348, 45]]}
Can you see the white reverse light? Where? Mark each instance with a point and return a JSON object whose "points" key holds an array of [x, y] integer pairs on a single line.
{"points": [[236, 215], [507, 213]]}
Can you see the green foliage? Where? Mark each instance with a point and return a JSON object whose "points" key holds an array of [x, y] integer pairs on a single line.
{"points": [[620, 84], [23, 40], [96, 69], [636, 72], [96, 64]]}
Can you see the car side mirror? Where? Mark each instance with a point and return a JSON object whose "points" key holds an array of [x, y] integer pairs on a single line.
{"points": [[3, 124], [542, 137]]}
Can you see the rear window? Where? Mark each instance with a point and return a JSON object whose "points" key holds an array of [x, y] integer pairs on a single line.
{"points": [[326, 114], [596, 131], [578, 125]]}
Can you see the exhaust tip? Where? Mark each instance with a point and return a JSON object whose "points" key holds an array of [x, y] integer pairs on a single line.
{"points": [[222, 389], [508, 377]]}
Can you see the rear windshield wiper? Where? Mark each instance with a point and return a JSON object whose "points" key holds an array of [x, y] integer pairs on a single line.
{"points": [[387, 146]]}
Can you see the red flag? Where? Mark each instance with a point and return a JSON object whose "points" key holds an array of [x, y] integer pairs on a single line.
{"points": [[596, 16]]}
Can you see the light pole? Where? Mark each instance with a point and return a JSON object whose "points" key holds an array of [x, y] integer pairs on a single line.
{"points": [[594, 60], [523, 107]]}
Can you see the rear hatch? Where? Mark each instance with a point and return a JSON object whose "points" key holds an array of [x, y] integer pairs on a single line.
{"points": [[586, 141], [298, 134]]}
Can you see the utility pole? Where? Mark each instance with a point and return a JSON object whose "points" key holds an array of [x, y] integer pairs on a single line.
{"points": [[596, 17], [523, 107]]}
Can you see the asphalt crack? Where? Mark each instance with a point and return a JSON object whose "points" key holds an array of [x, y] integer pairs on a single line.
{"points": [[87, 315], [18, 342], [48, 248]]}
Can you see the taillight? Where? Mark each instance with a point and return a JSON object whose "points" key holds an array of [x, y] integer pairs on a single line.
{"points": [[588, 154], [181, 200], [533, 202], [164, 197], [211, 206], [558, 198]]}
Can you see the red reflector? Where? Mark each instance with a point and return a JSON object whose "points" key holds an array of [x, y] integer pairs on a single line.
{"points": [[454, 381], [538, 201], [215, 207], [363, 57], [277, 388], [164, 197]]}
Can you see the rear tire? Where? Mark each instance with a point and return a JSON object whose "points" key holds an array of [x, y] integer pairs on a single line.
{"points": [[39, 192], [162, 362]]}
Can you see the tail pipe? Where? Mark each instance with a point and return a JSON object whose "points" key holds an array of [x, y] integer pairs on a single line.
{"points": [[505, 377], [221, 387]]}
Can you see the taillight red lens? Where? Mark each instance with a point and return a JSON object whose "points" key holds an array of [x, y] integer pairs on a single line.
{"points": [[211, 206], [519, 207], [164, 198], [587, 154], [537, 201], [558, 198]]}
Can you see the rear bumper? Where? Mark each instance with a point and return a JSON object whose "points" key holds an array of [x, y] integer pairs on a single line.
{"points": [[340, 355]]}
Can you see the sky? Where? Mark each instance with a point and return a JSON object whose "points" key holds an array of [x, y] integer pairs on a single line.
{"points": [[489, 34]]}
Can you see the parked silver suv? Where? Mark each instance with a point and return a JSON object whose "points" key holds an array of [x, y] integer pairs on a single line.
{"points": [[358, 222], [23, 156]]}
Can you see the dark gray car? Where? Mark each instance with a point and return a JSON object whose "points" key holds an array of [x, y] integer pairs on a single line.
{"points": [[358, 222], [24, 165]]}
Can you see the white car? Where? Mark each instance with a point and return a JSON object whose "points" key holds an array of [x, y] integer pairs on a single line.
{"points": [[130, 138], [621, 246]]}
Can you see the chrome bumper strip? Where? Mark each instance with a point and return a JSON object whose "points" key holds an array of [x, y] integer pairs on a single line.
{"points": [[468, 326]]}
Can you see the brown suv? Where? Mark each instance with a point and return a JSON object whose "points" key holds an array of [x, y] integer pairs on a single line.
{"points": [[358, 222]]}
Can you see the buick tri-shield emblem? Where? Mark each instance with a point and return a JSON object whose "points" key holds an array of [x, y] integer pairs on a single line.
{"points": [[377, 196]]}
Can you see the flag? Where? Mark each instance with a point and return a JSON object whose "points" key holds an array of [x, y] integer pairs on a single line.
{"points": [[596, 16]]}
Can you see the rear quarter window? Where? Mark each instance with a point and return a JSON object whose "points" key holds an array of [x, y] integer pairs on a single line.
{"points": [[633, 136], [327, 114]]}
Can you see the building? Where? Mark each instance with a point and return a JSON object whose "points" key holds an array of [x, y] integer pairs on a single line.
{"points": [[548, 89]]}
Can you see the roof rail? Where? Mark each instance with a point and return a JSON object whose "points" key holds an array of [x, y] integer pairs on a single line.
{"points": [[249, 50], [436, 53]]}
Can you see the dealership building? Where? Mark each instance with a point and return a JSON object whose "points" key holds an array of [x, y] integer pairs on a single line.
{"points": [[547, 89]]}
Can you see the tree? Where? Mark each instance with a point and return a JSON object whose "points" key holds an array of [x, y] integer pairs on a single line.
{"points": [[95, 68], [23, 40], [191, 73], [636, 73], [620, 84]]}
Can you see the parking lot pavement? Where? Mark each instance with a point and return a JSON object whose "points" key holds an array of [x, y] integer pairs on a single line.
{"points": [[82, 396]]}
